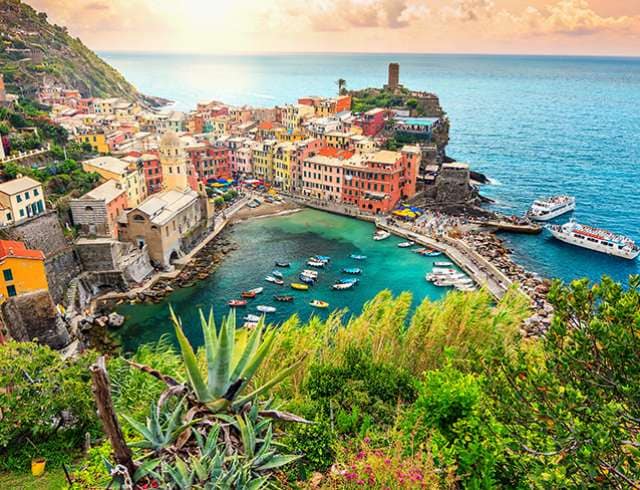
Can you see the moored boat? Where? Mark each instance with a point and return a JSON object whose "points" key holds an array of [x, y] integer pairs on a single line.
{"points": [[406, 244], [252, 318], [236, 303], [316, 303], [341, 286], [283, 299], [283, 264], [352, 270], [256, 290], [322, 258], [595, 239], [348, 280], [300, 287], [443, 264], [266, 309], [358, 257], [248, 294], [381, 235], [277, 274], [315, 263], [306, 279], [310, 273], [551, 207], [274, 280]]}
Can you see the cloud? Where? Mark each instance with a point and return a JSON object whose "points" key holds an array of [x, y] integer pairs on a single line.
{"points": [[96, 6], [468, 10]]}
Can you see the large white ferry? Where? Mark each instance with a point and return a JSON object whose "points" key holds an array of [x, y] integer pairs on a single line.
{"points": [[552, 207], [595, 239]]}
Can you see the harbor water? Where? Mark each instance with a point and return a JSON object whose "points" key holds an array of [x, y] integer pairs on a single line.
{"points": [[292, 238]]}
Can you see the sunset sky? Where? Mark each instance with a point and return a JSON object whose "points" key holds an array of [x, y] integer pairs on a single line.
{"points": [[427, 26]]}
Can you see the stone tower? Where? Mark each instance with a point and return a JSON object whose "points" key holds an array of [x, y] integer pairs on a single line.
{"points": [[3, 92], [173, 160], [394, 76]]}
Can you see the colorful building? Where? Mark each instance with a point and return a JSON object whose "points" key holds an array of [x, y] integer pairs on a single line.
{"points": [[98, 141], [23, 270], [129, 174], [96, 213], [284, 156], [208, 162], [20, 199], [262, 158], [371, 122]]}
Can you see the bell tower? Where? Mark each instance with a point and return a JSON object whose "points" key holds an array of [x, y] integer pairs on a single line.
{"points": [[173, 161]]}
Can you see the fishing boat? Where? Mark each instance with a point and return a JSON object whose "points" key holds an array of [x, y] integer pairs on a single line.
{"points": [[348, 280], [283, 264], [310, 273], [266, 309], [283, 299], [381, 235], [316, 303], [352, 270], [277, 274], [274, 280], [358, 257], [236, 303], [406, 244], [443, 264], [322, 258], [248, 294], [251, 318], [315, 263], [307, 279], [256, 290], [299, 287], [341, 286]]}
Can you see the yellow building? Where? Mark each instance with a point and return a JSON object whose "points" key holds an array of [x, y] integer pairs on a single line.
{"points": [[20, 199], [98, 141], [283, 161], [262, 157], [22, 270], [173, 159], [294, 115], [338, 140], [291, 136], [127, 174]]}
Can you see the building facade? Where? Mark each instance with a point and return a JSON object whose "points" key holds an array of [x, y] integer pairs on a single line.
{"points": [[20, 199], [21, 270]]}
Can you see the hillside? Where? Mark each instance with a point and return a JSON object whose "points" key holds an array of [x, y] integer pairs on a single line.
{"points": [[33, 51]]}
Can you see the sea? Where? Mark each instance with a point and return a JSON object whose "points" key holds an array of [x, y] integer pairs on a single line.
{"points": [[535, 125]]}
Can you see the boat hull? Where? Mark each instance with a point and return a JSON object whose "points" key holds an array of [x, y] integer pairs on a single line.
{"points": [[554, 214], [571, 240]]}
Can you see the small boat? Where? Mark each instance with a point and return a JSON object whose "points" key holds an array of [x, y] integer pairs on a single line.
{"points": [[443, 264], [358, 257], [251, 318], [256, 290], [236, 303], [316, 303], [283, 264], [322, 258], [250, 325], [277, 274], [381, 235], [443, 270], [435, 253], [274, 280], [348, 280], [421, 251], [307, 279], [406, 244], [266, 309], [310, 273], [352, 270], [299, 287], [315, 263], [341, 286], [284, 299], [248, 294]]}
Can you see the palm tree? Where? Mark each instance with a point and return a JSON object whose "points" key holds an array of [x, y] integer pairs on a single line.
{"points": [[342, 85]]}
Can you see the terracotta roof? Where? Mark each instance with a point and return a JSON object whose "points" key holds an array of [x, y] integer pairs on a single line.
{"points": [[335, 153], [10, 248], [266, 125]]}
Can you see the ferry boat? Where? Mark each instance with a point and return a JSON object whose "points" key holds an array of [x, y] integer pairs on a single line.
{"points": [[595, 239], [552, 207]]}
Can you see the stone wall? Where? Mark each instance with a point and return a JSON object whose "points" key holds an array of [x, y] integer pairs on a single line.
{"points": [[33, 317], [107, 255], [453, 184], [61, 270]]}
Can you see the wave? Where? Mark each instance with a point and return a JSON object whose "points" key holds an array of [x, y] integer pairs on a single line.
{"points": [[493, 181]]}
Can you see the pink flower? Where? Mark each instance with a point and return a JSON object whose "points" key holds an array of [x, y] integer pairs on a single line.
{"points": [[367, 440]]}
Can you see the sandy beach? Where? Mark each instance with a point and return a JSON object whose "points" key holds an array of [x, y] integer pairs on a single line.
{"points": [[264, 210]]}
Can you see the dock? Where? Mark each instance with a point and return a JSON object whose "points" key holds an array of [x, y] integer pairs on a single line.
{"points": [[528, 229]]}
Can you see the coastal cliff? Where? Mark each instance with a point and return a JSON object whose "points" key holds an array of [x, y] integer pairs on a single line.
{"points": [[34, 52]]}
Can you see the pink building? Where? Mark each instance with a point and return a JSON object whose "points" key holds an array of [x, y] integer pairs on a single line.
{"points": [[322, 174], [371, 122]]}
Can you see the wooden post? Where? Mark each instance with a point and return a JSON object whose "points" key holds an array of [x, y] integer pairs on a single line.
{"points": [[102, 393]]}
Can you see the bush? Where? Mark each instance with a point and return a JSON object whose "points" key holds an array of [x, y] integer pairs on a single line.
{"points": [[47, 401], [317, 445]]}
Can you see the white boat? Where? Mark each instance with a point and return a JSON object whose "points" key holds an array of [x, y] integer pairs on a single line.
{"points": [[595, 239], [443, 264], [274, 280], [445, 277], [340, 286], [310, 273], [465, 288], [406, 244], [256, 290], [551, 207], [381, 235], [443, 270], [315, 263], [251, 318], [266, 309]]}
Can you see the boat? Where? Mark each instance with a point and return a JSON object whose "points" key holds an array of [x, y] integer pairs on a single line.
{"points": [[443, 264], [274, 280], [299, 287], [465, 288], [251, 318], [235, 303], [316, 303], [358, 257], [595, 239], [352, 270], [348, 280], [381, 235], [283, 264], [248, 294], [322, 258], [434, 253], [340, 286], [315, 263], [551, 207], [283, 299], [266, 309], [277, 274], [250, 325], [443, 270], [310, 273], [406, 244], [256, 290], [307, 279]]}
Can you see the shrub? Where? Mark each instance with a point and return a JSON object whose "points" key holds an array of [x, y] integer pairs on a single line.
{"points": [[316, 444]]}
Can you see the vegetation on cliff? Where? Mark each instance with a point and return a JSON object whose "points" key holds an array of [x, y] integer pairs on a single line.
{"points": [[33, 51], [450, 396]]}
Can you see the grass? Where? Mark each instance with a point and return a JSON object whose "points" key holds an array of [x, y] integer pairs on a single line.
{"points": [[51, 480]]}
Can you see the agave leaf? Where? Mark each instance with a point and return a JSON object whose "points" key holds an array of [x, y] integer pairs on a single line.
{"points": [[219, 370], [252, 346], [145, 469], [266, 443], [211, 345], [141, 428], [257, 483], [278, 461], [172, 422], [218, 405], [190, 362], [247, 435], [268, 385], [258, 358]]}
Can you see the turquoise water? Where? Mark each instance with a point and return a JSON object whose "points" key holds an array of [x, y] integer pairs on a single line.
{"points": [[537, 125], [292, 238]]}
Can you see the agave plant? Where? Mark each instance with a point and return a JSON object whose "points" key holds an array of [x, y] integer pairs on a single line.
{"points": [[232, 359]]}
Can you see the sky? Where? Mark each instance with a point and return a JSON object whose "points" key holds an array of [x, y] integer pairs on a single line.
{"points": [[580, 27]]}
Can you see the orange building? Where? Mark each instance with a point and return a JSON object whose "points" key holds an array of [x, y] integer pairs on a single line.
{"points": [[23, 270]]}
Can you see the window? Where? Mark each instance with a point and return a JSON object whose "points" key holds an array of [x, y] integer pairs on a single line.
{"points": [[35, 192], [8, 275], [22, 213], [19, 198], [26, 195], [11, 291]]}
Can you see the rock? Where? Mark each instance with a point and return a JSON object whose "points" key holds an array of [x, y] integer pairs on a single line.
{"points": [[115, 320]]}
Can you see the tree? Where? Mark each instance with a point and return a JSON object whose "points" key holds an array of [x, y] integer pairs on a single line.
{"points": [[342, 86]]}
